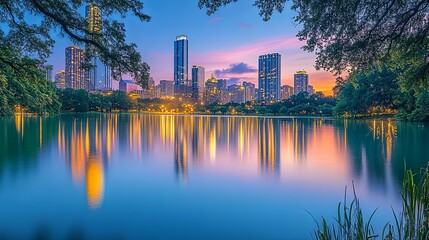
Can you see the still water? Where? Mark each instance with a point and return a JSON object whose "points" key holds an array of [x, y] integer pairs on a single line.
{"points": [[131, 176]]}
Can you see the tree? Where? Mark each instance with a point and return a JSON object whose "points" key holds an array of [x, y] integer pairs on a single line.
{"points": [[266, 7], [120, 101], [34, 94], [368, 92], [26, 41], [357, 35], [74, 100], [27, 35]]}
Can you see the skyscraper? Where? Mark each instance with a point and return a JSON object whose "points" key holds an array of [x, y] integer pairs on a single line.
{"points": [[269, 77], [100, 74], [93, 15], [181, 62], [74, 74], [60, 79], [198, 77], [300, 80]]}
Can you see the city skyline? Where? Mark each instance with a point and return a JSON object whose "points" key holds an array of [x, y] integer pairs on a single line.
{"points": [[225, 44]]}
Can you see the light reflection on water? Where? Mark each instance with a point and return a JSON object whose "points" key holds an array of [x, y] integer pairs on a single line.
{"points": [[260, 175]]}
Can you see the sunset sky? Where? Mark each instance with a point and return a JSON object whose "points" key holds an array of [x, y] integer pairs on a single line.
{"points": [[227, 43]]}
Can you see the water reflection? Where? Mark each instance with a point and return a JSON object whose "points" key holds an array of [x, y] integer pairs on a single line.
{"points": [[373, 152], [87, 143], [86, 149]]}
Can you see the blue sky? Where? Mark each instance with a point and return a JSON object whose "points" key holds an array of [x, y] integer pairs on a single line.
{"points": [[235, 35]]}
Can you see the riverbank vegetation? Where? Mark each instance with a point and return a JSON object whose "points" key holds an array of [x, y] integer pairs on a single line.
{"points": [[298, 105], [26, 44], [411, 223]]}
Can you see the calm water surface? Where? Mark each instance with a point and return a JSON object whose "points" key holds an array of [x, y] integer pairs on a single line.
{"points": [[113, 176]]}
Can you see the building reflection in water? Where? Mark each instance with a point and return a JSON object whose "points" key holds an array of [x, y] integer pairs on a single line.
{"points": [[269, 146], [86, 146], [180, 152]]}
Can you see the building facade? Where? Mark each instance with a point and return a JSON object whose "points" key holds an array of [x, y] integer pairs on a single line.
{"points": [[181, 81], [75, 76], [300, 81], [100, 77], [286, 92], [127, 86], [249, 91], [60, 79], [310, 90], [269, 77], [166, 88], [236, 93], [198, 78], [212, 93]]}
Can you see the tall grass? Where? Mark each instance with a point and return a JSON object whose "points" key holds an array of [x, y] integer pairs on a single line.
{"points": [[411, 224]]}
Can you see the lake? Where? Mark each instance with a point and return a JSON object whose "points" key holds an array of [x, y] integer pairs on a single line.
{"points": [[137, 176]]}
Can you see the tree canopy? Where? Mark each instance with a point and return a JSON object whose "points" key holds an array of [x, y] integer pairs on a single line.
{"points": [[355, 34], [29, 27]]}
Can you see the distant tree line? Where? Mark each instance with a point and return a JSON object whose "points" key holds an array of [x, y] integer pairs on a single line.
{"points": [[301, 104], [83, 101]]}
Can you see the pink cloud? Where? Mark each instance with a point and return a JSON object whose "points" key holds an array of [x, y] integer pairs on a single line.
{"points": [[245, 25], [215, 20], [249, 50]]}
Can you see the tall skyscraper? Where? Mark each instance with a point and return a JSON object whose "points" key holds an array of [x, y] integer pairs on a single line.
{"points": [[269, 77], [198, 78], [300, 81], [76, 77], [60, 79], [100, 74], [181, 61], [93, 15]]}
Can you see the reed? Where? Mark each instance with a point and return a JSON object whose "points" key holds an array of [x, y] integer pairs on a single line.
{"points": [[411, 224]]}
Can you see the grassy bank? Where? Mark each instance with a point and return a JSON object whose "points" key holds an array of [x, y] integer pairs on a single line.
{"points": [[411, 223]]}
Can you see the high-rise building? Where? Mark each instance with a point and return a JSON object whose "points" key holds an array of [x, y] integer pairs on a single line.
{"points": [[48, 70], [249, 91], [212, 93], [127, 86], [181, 61], [223, 92], [310, 90], [236, 93], [269, 77], [286, 91], [166, 88], [76, 76], [93, 16], [300, 80], [60, 79], [100, 74], [198, 78]]}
